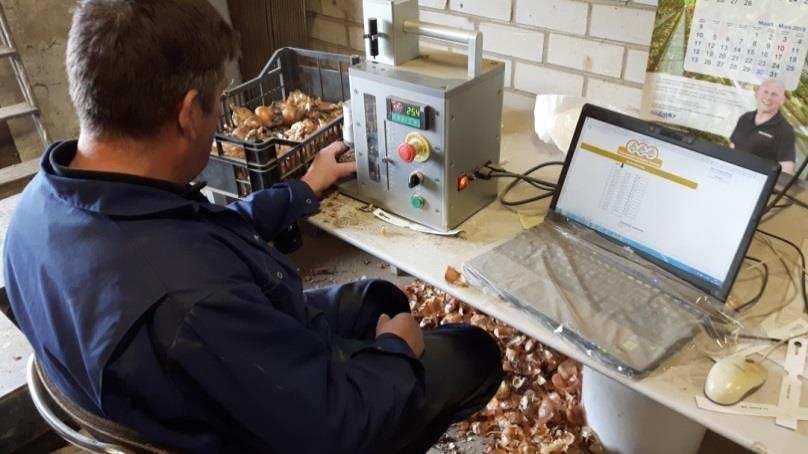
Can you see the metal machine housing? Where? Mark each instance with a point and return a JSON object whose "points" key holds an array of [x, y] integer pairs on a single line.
{"points": [[463, 130]]}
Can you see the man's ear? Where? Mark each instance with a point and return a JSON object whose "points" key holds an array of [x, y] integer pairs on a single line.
{"points": [[190, 114]]}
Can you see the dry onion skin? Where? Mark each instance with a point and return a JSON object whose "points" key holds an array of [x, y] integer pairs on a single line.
{"points": [[454, 277], [537, 408], [296, 118]]}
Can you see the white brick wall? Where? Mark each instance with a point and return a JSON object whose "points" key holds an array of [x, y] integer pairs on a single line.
{"points": [[622, 24], [438, 4], [636, 62], [540, 79], [585, 54], [492, 9], [592, 48], [562, 15], [446, 20], [513, 42]]}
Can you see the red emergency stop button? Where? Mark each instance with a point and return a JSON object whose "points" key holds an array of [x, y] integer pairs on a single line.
{"points": [[407, 152]]}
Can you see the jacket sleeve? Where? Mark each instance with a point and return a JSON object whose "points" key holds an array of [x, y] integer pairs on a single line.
{"points": [[298, 389], [275, 210]]}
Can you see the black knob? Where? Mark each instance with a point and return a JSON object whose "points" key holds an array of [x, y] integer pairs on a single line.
{"points": [[415, 179]]}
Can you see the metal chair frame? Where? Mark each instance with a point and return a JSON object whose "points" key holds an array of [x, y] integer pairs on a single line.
{"points": [[45, 394]]}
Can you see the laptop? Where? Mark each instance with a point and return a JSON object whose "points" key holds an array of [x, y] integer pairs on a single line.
{"points": [[687, 208]]}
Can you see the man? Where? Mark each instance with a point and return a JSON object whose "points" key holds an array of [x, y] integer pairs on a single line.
{"points": [[765, 132], [155, 309]]}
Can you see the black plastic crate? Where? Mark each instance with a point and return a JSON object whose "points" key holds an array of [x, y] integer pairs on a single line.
{"points": [[317, 74]]}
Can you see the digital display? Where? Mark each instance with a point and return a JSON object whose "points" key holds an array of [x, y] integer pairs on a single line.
{"points": [[407, 113], [412, 111]]}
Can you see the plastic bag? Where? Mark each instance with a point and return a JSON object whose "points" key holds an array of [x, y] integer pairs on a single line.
{"points": [[606, 299], [555, 118]]}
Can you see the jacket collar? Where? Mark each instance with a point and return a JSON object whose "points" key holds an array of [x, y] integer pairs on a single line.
{"points": [[110, 193]]}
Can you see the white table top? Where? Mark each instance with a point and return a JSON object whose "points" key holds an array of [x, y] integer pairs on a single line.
{"points": [[426, 257]]}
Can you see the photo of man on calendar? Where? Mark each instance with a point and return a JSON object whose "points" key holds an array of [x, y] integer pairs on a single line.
{"points": [[765, 132]]}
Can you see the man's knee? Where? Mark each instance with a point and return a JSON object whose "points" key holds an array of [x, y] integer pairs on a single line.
{"points": [[385, 296], [489, 352], [477, 349]]}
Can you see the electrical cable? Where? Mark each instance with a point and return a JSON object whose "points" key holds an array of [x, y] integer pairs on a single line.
{"points": [[788, 185], [763, 285], [794, 200], [548, 188], [782, 341], [786, 204], [787, 298], [802, 271]]}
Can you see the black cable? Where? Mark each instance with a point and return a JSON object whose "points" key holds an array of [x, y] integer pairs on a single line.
{"points": [[787, 204], [794, 200], [802, 262], [765, 282], [548, 187], [788, 185]]}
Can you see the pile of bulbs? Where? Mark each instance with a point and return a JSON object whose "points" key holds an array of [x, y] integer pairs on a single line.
{"points": [[295, 119], [537, 408]]}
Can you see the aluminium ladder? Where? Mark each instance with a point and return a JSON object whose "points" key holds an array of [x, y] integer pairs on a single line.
{"points": [[28, 107]]}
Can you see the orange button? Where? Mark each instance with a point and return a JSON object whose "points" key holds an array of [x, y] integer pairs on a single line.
{"points": [[462, 182]]}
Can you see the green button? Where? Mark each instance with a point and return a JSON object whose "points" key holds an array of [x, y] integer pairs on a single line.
{"points": [[417, 201]]}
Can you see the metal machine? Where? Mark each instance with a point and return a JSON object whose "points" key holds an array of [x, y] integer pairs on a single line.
{"points": [[422, 124]]}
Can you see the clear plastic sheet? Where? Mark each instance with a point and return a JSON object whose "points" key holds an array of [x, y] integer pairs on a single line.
{"points": [[613, 304]]}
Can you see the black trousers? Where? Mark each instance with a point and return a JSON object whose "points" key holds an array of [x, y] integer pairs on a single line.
{"points": [[462, 363]]}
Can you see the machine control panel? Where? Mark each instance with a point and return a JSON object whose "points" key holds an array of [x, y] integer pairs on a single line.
{"points": [[416, 143]]}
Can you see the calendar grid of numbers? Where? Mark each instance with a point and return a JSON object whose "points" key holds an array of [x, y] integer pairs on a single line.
{"points": [[749, 40]]}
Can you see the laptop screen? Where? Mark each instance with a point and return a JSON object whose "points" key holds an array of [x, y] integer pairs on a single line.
{"points": [[679, 206]]}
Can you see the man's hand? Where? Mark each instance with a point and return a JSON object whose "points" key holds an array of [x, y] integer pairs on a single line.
{"points": [[404, 326], [325, 170]]}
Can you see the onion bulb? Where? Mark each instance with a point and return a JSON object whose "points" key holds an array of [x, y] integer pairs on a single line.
{"points": [[240, 114], [266, 115], [252, 122], [290, 115]]}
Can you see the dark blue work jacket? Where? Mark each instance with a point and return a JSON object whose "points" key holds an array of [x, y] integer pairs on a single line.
{"points": [[173, 316]]}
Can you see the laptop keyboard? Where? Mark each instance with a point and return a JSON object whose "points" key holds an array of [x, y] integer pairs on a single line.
{"points": [[630, 302]]}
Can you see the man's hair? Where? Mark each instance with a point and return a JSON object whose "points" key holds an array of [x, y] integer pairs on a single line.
{"points": [[131, 62]]}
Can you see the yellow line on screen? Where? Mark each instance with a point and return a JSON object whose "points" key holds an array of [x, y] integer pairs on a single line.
{"points": [[639, 165]]}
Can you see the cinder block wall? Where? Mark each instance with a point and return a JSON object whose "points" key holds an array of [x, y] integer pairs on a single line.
{"points": [[592, 48]]}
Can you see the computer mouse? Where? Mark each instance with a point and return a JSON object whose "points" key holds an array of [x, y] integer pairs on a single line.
{"points": [[732, 379]]}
